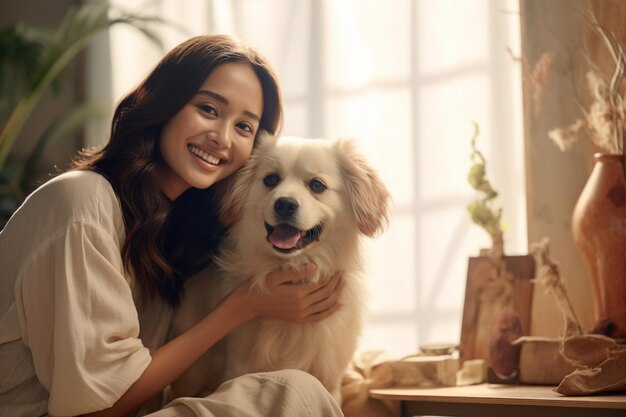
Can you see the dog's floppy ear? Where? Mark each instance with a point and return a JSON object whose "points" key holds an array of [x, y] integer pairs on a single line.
{"points": [[235, 188], [368, 195]]}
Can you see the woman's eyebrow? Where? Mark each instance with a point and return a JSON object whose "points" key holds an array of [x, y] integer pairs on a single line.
{"points": [[216, 96], [223, 100]]}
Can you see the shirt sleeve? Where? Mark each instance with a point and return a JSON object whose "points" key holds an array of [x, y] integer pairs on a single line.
{"points": [[80, 322]]}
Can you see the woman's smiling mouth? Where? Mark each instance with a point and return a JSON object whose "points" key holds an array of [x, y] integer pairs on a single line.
{"points": [[209, 159]]}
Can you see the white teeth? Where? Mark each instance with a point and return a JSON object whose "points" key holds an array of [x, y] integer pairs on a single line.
{"points": [[203, 155]]}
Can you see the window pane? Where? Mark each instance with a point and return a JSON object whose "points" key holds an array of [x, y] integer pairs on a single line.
{"points": [[380, 121], [390, 262], [394, 336], [366, 40], [296, 119], [451, 34], [280, 29], [445, 114]]}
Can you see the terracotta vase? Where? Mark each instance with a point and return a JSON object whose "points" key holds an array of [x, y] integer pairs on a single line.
{"points": [[599, 227]]}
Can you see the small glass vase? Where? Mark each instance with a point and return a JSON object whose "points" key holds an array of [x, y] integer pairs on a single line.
{"points": [[599, 228]]}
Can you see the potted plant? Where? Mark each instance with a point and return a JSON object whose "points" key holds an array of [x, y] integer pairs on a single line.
{"points": [[32, 63], [599, 217], [498, 286]]}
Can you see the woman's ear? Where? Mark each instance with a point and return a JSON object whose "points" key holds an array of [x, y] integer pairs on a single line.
{"points": [[368, 195]]}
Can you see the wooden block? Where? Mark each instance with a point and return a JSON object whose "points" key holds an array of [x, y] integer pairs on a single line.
{"points": [[472, 372], [541, 362], [425, 371]]}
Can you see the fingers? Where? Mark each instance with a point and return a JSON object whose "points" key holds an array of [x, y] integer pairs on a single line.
{"points": [[329, 300], [324, 301], [325, 289], [322, 314], [300, 303], [283, 277]]}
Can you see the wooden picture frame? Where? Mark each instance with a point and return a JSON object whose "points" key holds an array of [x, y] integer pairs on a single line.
{"points": [[522, 267]]}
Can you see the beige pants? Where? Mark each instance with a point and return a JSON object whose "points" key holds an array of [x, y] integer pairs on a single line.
{"points": [[288, 393]]}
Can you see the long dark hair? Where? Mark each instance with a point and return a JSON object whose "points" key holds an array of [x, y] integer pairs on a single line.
{"points": [[166, 241]]}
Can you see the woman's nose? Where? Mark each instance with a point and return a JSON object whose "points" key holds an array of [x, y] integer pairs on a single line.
{"points": [[220, 135]]}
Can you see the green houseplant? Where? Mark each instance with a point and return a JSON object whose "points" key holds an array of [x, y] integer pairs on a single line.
{"points": [[32, 63], [498, 290], [481, 210]]}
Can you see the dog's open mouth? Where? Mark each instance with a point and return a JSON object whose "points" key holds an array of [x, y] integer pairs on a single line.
{"points": [[286, 239]]}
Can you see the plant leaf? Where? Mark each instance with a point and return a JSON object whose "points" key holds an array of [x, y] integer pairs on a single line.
{"points": [[72, 120], [78, 28], [20, 49]]}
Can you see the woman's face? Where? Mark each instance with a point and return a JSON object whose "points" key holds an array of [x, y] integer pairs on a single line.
{"points": [[212, 136]]}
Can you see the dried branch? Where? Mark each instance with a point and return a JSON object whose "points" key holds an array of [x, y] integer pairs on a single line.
{"points": [[550, 277], [604, 119]]}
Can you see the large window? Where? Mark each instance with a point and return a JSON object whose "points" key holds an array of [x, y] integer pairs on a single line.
{"points": [[406, 79]]}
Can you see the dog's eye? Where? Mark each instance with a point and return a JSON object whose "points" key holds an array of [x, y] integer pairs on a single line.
{"points": [[317, 186], [271, 180]]}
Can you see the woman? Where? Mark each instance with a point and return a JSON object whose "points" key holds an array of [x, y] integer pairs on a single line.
{"points": [[94, 260]]}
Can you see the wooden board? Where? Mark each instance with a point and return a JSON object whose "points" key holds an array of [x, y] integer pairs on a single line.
{"points": [[522, 267]]}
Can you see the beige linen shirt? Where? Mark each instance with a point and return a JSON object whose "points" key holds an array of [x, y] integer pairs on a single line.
{"points": [[69, 323]]}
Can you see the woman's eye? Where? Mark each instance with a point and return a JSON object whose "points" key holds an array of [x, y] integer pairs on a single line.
{"points": [[208, 109], [271, 180], [245, 127], [317, 186]]}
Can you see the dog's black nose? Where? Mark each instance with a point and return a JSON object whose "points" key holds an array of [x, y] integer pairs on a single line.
{"points": [[285, 207]]}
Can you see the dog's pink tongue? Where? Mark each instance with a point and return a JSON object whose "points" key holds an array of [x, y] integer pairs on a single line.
{"points": [[285, 237]]}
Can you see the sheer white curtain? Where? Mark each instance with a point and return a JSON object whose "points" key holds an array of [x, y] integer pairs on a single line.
{"points": [[406, 79]]}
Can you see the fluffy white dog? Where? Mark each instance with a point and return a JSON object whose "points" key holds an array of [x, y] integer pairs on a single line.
{"points": [[298, 201]]}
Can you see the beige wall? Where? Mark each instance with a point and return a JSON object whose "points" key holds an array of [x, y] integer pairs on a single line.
{"points": [[554, 179]]}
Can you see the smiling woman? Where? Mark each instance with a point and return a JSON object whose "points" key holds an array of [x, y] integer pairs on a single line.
{"points": [[90, 272], [210, 99], [216, 130]]}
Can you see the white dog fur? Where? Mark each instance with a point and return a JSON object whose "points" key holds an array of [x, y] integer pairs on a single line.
{"points": [[334, 188]]}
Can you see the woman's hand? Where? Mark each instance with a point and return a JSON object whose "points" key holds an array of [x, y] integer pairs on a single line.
{"points": [[298, 303]]}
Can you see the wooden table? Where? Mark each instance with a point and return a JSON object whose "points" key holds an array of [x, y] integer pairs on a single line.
{"points": [[487, 400]]}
